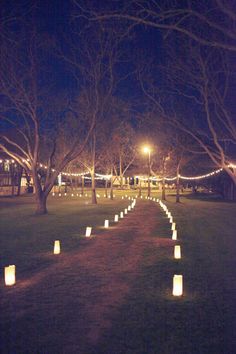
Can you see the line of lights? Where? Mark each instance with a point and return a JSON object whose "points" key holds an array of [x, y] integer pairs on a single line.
{"points": [[102, 176]]}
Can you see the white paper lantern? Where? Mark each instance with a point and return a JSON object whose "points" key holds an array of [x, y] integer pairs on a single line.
{"points": [[88, 231], [57, 248], [10, 275], [174, 235], [177, 285], [177, 252]]}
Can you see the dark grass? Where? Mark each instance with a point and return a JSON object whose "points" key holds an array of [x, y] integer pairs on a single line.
{"points": [[150, 320]]}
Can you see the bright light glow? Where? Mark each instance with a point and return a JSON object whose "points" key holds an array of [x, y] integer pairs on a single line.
{"points": [[174, 235], [106, 223], [57, 247], [177, 285], [116, 218], [126, 211], [88, 231], [121, 214], [173, 226], [10, 275], [177, 252], [146, 149], [129, 208], [171, 219]]}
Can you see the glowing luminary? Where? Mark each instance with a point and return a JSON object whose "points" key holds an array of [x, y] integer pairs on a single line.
{"points": [[59, 194], [174, 235], [126, 211], [53, 194], [154, 199], [10, 275], [129, 198], [88, 231], [98, 195], [126, 196], [170, 219], [65, 194], [57, 247], [129, 208], [177, 285], [116, 218], [121, 214], [77, 194], [122, 197], [104, 195], [86, 195], [141, 197], [106, 223], [72, 195], [173, 226], [177, 252]]}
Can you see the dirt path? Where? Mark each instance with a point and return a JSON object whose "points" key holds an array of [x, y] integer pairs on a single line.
{"points": [[67, 309]]}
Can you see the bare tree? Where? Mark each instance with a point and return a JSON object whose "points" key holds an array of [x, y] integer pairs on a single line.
{"points": [[210, 23]]}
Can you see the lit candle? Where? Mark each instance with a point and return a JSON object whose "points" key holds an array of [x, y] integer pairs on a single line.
{"points": [[177, 252], [57, 248], [10, 275], [121, 214], [171, 219], [177, 285], [129, 208], [173, 226], [116, 218], [88, 231], [126, 211], [106, 223]]}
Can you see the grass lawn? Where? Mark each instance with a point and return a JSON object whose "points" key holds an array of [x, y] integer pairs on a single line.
{"points": [[141, 316]]}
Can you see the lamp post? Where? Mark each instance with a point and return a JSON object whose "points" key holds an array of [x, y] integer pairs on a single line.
{"points": [[147, 150]]}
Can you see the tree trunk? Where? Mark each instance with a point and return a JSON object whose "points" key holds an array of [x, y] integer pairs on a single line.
{"points": [[163, 192], [94, 197], [177, 186], [140, 188], [111, 191], [82, 185], [41, 205], [19, 176], [106, 183]]}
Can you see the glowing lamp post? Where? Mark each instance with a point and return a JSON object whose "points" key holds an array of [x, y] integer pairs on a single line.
{"points": [[177, 252], [106, 224], [10, 275], [88, 231], [177, 285], [57, 247]]}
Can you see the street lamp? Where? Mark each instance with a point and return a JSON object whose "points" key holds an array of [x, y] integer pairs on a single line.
{"points": [[147, 150]]}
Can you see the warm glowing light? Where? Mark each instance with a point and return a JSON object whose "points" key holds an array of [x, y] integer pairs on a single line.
{"points": [[171, 219], [173, 226], [129, 208], [72, 195], [10, 275], [59, 194], [122, 197], [177, 285], [177, 252], [106, 223], [88, 231], [121, 214], [126, 211], [146, 150], [174, 235], [57, 247], [116, 218]]}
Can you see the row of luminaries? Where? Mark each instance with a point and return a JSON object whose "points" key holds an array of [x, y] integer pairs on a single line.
{"points": [[10, 271]]}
